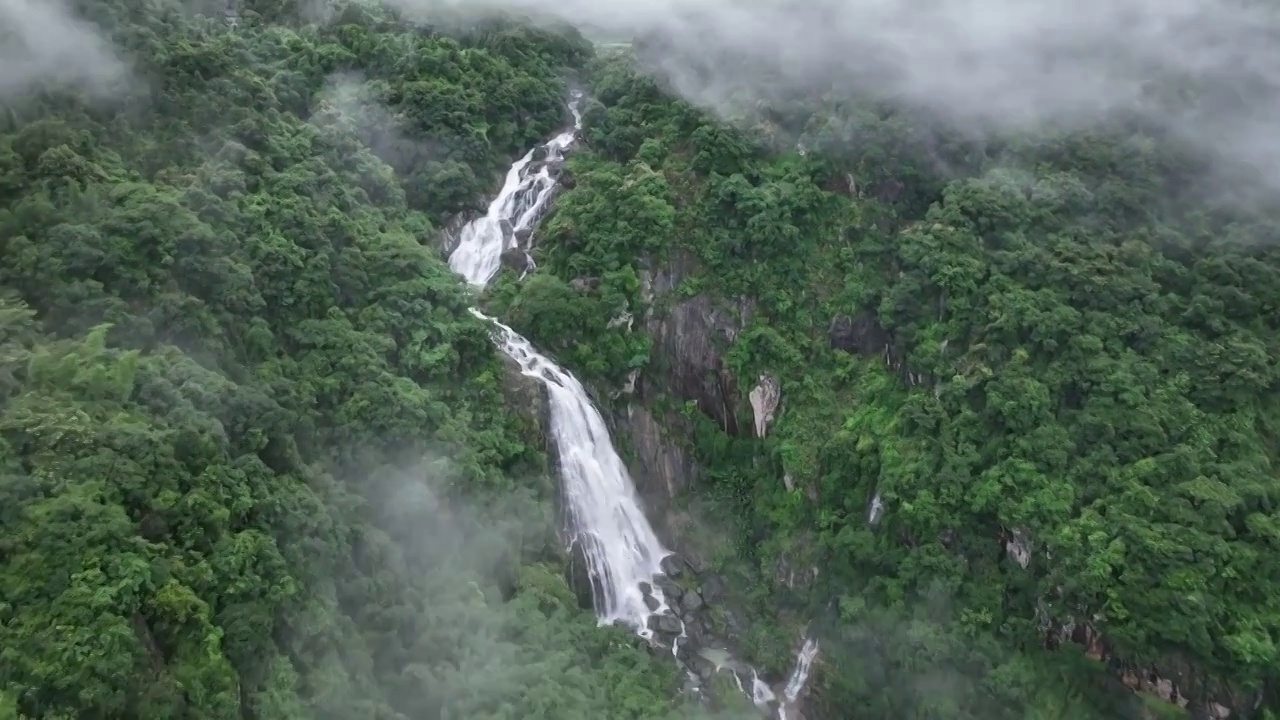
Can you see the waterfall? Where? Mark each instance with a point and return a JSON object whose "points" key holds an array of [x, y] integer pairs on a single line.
{"points": [[876, 510], [606, 521], [800, 675], [521, 203], [605, 518]]}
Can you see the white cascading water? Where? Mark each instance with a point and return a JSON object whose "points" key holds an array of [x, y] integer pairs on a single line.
{"points": [[876, 510], [621, 549], [521, 202], [798, 679], [800, 675], [606, 520]]}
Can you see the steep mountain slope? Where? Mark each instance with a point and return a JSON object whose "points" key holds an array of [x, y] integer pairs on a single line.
{"points": [[254, 455], [994, 420], [1023, 459]]}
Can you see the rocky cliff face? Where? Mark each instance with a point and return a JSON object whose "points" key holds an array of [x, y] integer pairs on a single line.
{"points": [[528, 398], [688, 336], [660, 465], [450, 233]]}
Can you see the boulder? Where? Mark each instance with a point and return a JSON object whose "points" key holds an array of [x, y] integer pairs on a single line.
{"points": [[713, 588], [702, 667], [672, 566], [665, 624], [669, 588], [691, 601], [517, 260]]}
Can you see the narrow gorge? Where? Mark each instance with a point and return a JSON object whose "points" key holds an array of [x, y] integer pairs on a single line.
{"points": [[631, 574]]}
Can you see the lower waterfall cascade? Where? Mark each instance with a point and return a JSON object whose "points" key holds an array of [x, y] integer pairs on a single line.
{"points": [[606, 521]]}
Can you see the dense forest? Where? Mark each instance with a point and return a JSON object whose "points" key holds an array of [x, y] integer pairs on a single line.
{"points": [[258, 461], [1028, 422], [254, 455]]}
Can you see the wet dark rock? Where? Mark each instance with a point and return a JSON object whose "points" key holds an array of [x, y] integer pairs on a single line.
{"points": [[713, 588], [517, 260], [732, 625], [702, 667], [690, 688], [742, 672], [669, 587], [694, 636], [522, 237], [689, 340], [685, 652], [580, 576], [673, 566], [696, 563], [645, 588], [540, 153], [508, 230], [863, 334], [665, 624], [691, 601], [651, 602]]}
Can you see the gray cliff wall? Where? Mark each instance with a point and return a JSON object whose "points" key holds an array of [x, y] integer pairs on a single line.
{"points": [[688, 339]]}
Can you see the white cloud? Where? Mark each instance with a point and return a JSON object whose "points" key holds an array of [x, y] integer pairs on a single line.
{"points": [[988, 63], [41, 43]]}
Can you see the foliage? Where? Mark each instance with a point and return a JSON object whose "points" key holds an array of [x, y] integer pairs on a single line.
{"points": [[254, 459], [1065, 344]]}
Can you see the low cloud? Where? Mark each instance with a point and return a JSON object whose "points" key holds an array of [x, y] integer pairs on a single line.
{"points": [[984, 64], [42, 43]]}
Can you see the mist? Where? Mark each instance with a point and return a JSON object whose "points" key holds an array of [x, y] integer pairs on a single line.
{"points": [[986, 65], [42, 43]]}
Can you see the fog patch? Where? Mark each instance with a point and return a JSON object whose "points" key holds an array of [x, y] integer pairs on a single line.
{"points": [[981, 65], [42, 44]]}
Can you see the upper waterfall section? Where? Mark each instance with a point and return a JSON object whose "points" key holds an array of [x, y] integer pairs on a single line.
{"points": [[521, 202]]}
